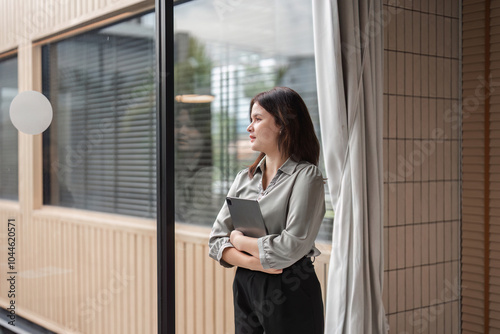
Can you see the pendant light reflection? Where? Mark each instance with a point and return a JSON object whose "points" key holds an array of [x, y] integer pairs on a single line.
{"points": [[194, 98]]}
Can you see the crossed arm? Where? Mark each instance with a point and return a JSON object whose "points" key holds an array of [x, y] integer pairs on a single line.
{"points": [[245, 253]]}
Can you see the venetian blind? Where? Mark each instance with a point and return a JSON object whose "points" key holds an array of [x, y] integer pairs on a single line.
{"points": [[8, 133], [100, 151]]}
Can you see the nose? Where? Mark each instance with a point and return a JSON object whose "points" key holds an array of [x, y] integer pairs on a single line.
{"points": [[182, 129], [250, 127]]}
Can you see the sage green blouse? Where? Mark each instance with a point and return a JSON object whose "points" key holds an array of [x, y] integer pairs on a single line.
{"points": [[293, 207]]}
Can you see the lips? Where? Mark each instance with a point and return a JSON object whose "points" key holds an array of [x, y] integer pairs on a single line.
{"points": [[252, 138]]}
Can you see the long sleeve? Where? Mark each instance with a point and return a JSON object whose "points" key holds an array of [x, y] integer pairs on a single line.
{"points": [[223, 225], [306, 209]]}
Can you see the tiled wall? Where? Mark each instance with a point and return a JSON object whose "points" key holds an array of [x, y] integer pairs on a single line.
{"points": [[421, 157]]}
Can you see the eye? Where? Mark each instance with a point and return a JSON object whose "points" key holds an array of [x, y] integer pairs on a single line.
{"points": [[256, 118]]}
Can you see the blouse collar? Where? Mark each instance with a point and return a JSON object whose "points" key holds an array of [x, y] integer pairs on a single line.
{"points": [[288, 167]]}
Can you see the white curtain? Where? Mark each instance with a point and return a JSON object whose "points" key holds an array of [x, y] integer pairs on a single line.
{"points": [[349, 66]]}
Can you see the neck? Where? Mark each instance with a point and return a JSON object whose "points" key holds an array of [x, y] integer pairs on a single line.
{"points": [[274, 162]]}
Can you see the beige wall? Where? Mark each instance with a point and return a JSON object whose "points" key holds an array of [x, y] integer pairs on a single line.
{"points": [[421, 157], [22, 22]]}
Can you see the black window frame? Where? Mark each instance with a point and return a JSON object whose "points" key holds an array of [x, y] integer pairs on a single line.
{"points": [[165, 165]]}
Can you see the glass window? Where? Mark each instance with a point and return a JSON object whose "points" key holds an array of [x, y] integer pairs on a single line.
{"points": [[226, 53], [8, 133], [100, 151]]}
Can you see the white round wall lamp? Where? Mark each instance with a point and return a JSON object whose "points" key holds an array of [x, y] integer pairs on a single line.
{"points": [[31, 112]]}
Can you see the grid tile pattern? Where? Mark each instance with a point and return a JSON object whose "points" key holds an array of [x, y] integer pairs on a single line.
{"points": [[421, 165]]}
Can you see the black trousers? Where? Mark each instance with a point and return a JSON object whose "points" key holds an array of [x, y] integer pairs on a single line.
{"points": [[289, 303]]}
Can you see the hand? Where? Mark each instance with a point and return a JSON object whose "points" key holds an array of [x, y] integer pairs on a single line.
{"points": [[235, 234]]}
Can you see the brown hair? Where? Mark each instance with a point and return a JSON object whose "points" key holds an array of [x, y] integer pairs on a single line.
{"points": [[297, 138]]}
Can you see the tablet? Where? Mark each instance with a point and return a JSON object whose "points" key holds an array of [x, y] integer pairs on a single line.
{"points": [[246, 216]]}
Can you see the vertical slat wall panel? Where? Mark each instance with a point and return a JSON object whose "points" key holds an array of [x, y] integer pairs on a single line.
{"points": [[81, 277], [189, 276], [494, 167], [220, 291], [6, 213], [228, 300], [481, 165], [180, 287], [200, 261], [152, 291], [34, 19], [210, 296], [104, 295]]}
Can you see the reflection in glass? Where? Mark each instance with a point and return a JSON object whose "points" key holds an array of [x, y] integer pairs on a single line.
{"points": [[193, 135], [193, 164], [232, 53], [8, 133]]}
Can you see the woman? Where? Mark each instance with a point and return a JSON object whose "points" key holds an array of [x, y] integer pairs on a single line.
{"points": [[193, 165], [275, 288]]}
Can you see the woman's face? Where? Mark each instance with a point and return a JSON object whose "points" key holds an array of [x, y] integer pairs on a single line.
{"points": [[263, 130], [187, 135]]}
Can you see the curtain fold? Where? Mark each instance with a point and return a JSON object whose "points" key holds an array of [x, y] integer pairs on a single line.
{"points": [[349, 68]]}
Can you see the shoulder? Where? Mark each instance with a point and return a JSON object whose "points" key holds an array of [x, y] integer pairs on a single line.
{"points": [[242, 172], [308, 179], [240, 182], [241, 176], [308, 170]]}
